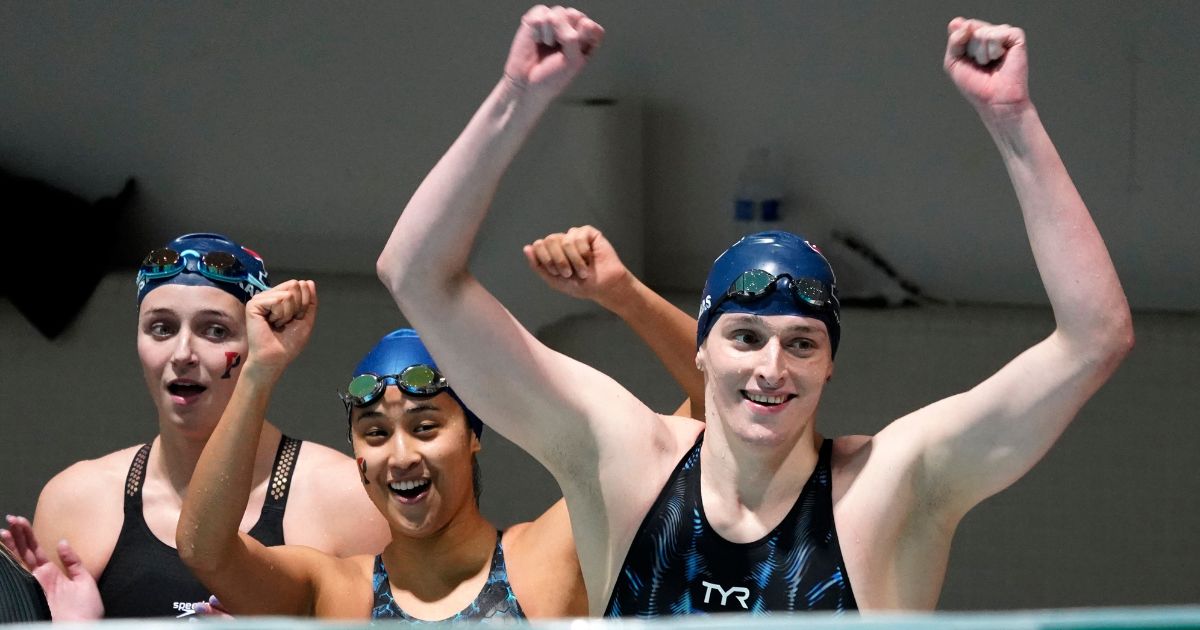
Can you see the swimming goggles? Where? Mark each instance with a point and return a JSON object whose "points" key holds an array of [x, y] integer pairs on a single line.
{"points": [[219, 266], [416, 380], [756, 283]]}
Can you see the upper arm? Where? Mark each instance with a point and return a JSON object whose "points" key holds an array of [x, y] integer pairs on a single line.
{"points": [[564, 413], [84, 506], [544, 565], [331, 512], [972, 445]]}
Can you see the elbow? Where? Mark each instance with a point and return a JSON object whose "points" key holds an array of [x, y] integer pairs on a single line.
{"points": [[1110, 342], [200, 560]]}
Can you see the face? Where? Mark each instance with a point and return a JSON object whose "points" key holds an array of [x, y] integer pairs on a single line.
{"points": [[764, 374], [416, 457], [191, 341]]}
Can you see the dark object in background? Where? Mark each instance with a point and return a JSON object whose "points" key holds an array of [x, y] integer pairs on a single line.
{"points": [[54, 248]]}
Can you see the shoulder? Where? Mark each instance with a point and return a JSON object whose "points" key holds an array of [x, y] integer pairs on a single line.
{"points": [[89, 483], [84, 504], [543, 565], [327, 508]]}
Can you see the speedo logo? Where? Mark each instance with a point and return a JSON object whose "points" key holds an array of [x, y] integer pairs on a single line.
{"points": [[187, 609]]}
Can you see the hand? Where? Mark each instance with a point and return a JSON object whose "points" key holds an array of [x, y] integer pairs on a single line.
{"points": [[580, 263], [212, 608], [70, 591], [279, 322], [551, 46], [988, 63]]}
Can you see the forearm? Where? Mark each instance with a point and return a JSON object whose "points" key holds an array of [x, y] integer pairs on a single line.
{"points": [[220, 485], [669, 332], [1089, 305], [431, 242]]}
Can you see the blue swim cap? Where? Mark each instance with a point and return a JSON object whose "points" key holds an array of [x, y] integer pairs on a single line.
{"points": [[778, 254], [247, 278], [400, 349]]}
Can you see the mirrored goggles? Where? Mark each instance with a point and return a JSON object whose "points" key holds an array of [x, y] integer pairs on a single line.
{"points": [[416, 380], [219, 266], [756, 283]]}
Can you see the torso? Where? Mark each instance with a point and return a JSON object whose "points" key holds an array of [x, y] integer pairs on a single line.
{"points": [[144, 576], [495, 599], [894, 550], [678, 564]]}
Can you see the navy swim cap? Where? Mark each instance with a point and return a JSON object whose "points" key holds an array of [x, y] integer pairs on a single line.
{"points": [[779, 254], [400, 349], [192, 272]]}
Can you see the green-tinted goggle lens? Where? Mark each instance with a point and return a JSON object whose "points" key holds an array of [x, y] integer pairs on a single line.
{"points": [[418, 380]]}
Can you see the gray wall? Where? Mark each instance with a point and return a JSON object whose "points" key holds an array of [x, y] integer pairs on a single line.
{"points": [[1109, 517], [301, 128], [324, 116]]}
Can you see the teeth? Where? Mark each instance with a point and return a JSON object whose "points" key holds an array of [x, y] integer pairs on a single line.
{"points": [[766, 400], [408, 485]]}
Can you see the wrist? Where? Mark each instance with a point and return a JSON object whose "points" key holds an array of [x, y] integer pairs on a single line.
{"points": [[259, 374], [1010, 127], [621, 298]]}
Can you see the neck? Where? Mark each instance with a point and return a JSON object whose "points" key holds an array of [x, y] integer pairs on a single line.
{"points": [[174, 455], [747, 488], [433, 566]]}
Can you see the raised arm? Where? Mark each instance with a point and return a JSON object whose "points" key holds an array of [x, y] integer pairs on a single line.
{"points": [[583, 264], [977, 443], [545, 402], [248, 577]]}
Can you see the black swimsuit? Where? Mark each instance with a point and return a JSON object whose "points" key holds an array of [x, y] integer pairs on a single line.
{"points": [[678, 565], [145, 577]]}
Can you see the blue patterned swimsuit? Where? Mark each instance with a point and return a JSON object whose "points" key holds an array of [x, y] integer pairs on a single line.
{"points": [[495, 601], [678, 565]]}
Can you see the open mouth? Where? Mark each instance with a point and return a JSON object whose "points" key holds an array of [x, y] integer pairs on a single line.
{"points": [[765, 400], [185, 389], [409, 490]]}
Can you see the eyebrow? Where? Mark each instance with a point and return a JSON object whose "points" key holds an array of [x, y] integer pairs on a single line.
{"points": [[415, 409], [750, 318]]}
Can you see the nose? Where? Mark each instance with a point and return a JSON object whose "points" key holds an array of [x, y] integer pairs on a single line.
{"points": [[406, 453], [184, 353], [771, 369]]}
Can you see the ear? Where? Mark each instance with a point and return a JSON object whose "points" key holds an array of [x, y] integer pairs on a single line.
{"points": [[701, 358], [476, 445]]}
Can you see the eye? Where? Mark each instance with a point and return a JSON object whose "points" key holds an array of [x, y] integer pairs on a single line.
{"points": [[374, 434], [426, 428], [216, 332], [160, 330], [745, 337], [803, 345]]}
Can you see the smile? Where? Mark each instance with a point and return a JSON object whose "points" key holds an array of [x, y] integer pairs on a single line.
{"points": [[763, 399], [409, 490]]}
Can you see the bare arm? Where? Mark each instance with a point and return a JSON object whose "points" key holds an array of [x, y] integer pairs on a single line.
{"points": [[583, 264], [544, 565], [977, 443], [248, 577], [543, 401]]}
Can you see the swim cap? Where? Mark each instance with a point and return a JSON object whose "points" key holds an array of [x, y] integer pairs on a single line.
{"points": [[243, 279], [784, 254], [402, 349]]}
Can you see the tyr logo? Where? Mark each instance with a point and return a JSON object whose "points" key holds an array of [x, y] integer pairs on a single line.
{"points": [[740, 593]]}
